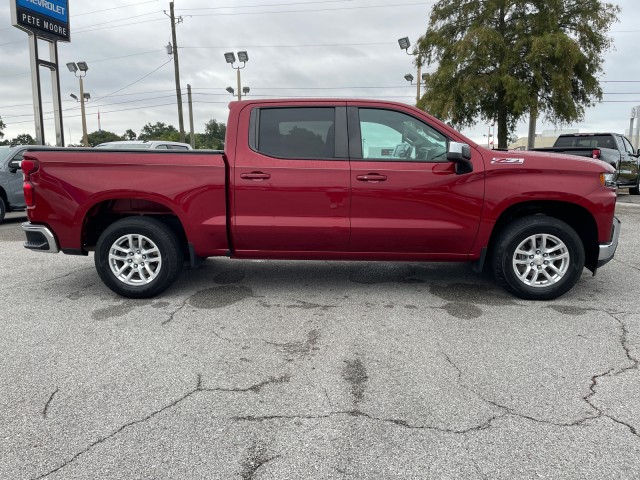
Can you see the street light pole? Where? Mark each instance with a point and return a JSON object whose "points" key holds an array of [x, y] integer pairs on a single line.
{"points": [[404, 45], [80, 70], [243, 57], [409, 78], [85, 138]]}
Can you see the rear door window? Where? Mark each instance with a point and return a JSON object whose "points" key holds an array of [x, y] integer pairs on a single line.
{"points": [[305, 133]]}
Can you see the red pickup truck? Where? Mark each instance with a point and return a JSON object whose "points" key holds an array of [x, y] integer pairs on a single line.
{"points": [[325, 179]]}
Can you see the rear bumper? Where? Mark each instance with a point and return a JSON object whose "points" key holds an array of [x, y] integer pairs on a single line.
{"points": [[607, 250], [39, 238]]}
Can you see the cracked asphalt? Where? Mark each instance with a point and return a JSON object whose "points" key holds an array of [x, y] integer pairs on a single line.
{"points": [[317, 370]]}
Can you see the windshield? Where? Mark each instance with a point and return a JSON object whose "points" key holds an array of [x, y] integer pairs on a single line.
{"points": [[4, 151]]}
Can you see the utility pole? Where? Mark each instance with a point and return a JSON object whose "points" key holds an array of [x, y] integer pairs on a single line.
{"points": [[193, 138], [531, 139], [176, 66], [85, 138], [419, 79]]}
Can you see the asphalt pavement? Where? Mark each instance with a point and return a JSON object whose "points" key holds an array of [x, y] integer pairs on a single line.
{"points": [[317, 370]]}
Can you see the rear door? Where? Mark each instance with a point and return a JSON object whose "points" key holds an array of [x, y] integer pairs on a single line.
{"points": [[406, 197], [291, 184]]}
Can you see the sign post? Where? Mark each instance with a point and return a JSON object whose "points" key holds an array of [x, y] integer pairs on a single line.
{"points": [[46, 20]]}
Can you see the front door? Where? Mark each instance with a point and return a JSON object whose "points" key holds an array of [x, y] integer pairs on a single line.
{"points": [[291, 186], [406, 197], [16, 196], [628, 161]]}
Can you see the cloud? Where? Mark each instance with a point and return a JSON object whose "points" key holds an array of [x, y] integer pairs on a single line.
{"points": [[330, 48]]}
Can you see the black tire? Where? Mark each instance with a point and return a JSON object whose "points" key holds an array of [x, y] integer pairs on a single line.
{"points": [[3, 210], [518, 275], [164, 261], [635, 190]]}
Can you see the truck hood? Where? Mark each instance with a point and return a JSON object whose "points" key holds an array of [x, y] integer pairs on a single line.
{"points": [[543, 161]]}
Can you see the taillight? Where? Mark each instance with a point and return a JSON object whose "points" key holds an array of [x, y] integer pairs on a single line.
{"points": [[595, 153], [28, 167], [29, 194]]}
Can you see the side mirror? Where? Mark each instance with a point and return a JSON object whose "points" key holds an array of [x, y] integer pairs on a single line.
{"points": [[460, 154], [14, 166]]}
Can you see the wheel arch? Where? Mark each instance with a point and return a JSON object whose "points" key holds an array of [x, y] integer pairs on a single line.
{"points": [[105, 212], [576, 216]]}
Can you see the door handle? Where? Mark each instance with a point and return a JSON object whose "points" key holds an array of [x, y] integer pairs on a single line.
{"points": [[372, 177], [255, 176]]}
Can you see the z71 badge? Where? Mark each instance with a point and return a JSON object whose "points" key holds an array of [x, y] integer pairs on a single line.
{"points": [[510, 161]]}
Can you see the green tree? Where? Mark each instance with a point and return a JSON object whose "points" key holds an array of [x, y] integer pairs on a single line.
{"points": [[159, 131], [101, 136], [213, 136], [129, 135], [2, 125], [502, 59], [23, 139]]}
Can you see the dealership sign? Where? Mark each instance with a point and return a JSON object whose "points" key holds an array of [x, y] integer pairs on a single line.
{"points": [[47, 19]]}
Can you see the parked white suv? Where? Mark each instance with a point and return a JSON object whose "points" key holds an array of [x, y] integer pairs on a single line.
{"points": [[146, 144]]}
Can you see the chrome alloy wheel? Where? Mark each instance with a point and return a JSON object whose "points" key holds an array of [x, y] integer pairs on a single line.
{"points": [[135, 260], [541, 260]]}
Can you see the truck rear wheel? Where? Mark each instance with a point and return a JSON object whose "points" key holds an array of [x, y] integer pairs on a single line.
{"points": [[635, 190], [138, 257], [3, 209], [538, 258]]}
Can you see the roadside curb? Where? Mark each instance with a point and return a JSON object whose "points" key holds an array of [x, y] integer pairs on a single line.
{"points": [[630, 205]]}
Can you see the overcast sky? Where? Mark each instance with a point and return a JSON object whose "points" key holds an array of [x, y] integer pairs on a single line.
{"points": [[297, 48]]}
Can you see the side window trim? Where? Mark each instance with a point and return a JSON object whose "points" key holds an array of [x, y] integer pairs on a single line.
{"points": [[340, 129], [355, 142]]}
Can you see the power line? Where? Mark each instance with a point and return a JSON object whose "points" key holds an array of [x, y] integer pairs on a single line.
{"points": [[103, 112], [97, 11], [316, 88], [133, 83], [126, 56], [294, 46], [94, 61], [114, 8], [263, 5], [311, 10], [87, 29], [83, 28], [93, 106]]}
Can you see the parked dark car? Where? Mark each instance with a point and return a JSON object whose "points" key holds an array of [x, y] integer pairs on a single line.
{"points": [[613, 148]]}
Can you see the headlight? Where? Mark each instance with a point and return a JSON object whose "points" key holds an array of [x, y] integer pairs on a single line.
{"points": [[608, 180]]}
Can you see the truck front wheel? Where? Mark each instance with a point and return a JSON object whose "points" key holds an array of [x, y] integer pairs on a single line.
{"points": [[138, 257], [635, 190], [538, 258]]}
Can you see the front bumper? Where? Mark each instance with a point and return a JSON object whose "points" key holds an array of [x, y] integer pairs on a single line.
{"points": [[39, 238], [607, 250]]}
